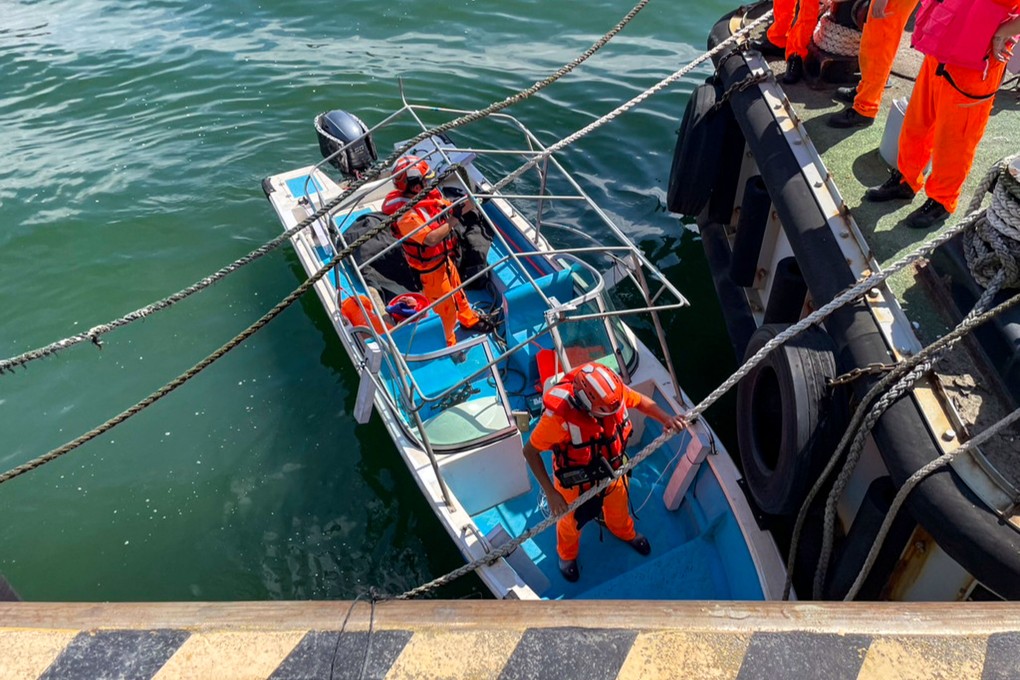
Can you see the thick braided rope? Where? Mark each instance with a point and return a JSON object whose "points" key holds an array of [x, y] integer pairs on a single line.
{"points": [[859, 415], [909, 485], [837, 39], [818, 315], [993, 245], [626, 106], [177, 382], [974, 212], [231, 344], [648, 450], [94, 333], [999, 272], [922, 364]]}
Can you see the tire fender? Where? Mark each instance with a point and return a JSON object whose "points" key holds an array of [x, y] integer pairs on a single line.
{"points": [[788, 418]]}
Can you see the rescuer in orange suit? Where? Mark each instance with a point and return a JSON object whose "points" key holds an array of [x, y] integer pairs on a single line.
{"points": [[946, 118], [879, 42], [793, 24], [430, 250], [586, 425]]}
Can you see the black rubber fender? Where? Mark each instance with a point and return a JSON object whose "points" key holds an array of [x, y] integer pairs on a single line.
{"points": [[788, 418], [696, 156]]}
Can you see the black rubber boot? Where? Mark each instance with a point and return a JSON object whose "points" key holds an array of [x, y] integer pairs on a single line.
{"points": [[927, 216], [849, 118], [794, 70], [766, 47], [569, 570], [640, 544], [894, 188], [845, 94]]}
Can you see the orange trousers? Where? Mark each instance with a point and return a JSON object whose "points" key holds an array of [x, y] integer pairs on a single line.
{"points": [[614, 509], [454, 308], [804, 23], [944, 126], [879, 43], [782, 18]]}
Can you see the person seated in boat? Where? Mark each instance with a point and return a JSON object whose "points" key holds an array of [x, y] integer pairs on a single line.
{"points": [[431, 250], [586, 426]]}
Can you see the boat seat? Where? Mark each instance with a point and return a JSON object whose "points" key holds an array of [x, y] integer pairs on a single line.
{"points": [[525, 318]]}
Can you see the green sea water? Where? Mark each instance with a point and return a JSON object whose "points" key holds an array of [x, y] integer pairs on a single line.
{"points": [[133, 139]]}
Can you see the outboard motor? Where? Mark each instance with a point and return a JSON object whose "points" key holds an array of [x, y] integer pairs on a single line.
{"points": [[341, 130]]}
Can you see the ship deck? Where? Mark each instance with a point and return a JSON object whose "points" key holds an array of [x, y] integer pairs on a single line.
{"points": [[853, 159]]}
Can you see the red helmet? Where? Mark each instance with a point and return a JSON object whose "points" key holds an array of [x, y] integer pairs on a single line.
{"points": [[411, 170], [599, 390]]}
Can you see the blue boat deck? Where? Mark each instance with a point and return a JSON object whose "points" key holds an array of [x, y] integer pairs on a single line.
{"points": [[688, 544]]}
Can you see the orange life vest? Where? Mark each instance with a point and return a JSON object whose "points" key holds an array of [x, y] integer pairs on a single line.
{"points": [[958, 32], [593, 442], [420, 257]]}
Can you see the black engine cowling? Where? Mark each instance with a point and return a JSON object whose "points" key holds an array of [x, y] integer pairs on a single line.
{"points": [[343, 132]]}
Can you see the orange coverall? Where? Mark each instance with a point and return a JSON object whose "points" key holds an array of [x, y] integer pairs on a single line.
{"points": [[782, 19], [879, 42], [436, 284], [944, 126], [551, 431], [804, 23]]}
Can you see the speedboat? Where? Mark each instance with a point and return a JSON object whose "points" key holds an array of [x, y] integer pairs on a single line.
{"points": [[560, 284]]}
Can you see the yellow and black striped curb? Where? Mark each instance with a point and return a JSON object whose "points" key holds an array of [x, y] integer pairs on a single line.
{"points": [[561, 640]]}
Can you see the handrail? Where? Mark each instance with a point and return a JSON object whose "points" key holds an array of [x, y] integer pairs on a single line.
{"points": [[625, 253]]}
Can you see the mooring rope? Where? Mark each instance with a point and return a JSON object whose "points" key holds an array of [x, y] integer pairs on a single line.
{"points": [[342, 255], [909, 485], [231, 344], [902, 379], [94, 334], [993, 245], [918, 365], [836, 38], [818, 315]]}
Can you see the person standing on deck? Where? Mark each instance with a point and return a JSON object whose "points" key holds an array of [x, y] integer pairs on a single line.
{"points": [[793, 23], [430, 250], [966, 44], [587, 426], [879, 42]]}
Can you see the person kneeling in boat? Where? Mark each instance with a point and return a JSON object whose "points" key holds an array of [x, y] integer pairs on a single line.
{"points": [[431, 250], [586, 426]]}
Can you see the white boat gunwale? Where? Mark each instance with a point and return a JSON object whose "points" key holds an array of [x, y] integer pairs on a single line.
{"points": [[427, 469]]}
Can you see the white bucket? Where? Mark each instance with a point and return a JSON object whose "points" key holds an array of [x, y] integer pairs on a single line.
{"points": [[889, 148]]}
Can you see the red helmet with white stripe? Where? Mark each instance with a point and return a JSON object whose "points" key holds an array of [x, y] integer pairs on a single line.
{"points": [[411, 171], [599, 390]]}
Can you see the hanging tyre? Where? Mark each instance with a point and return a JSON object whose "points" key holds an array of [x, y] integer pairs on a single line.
{"points": [[696, 156], [788, 419]]}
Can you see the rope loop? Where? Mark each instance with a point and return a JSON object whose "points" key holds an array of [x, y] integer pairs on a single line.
{"points": [[991, 242]]}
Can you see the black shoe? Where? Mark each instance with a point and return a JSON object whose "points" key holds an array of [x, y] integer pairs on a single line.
{"points": [[894, 188], [641, 544], [569, 570], [845, 94], [483, 325], [849, 118], [927, 216], [766, 47], [794, 70]]}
